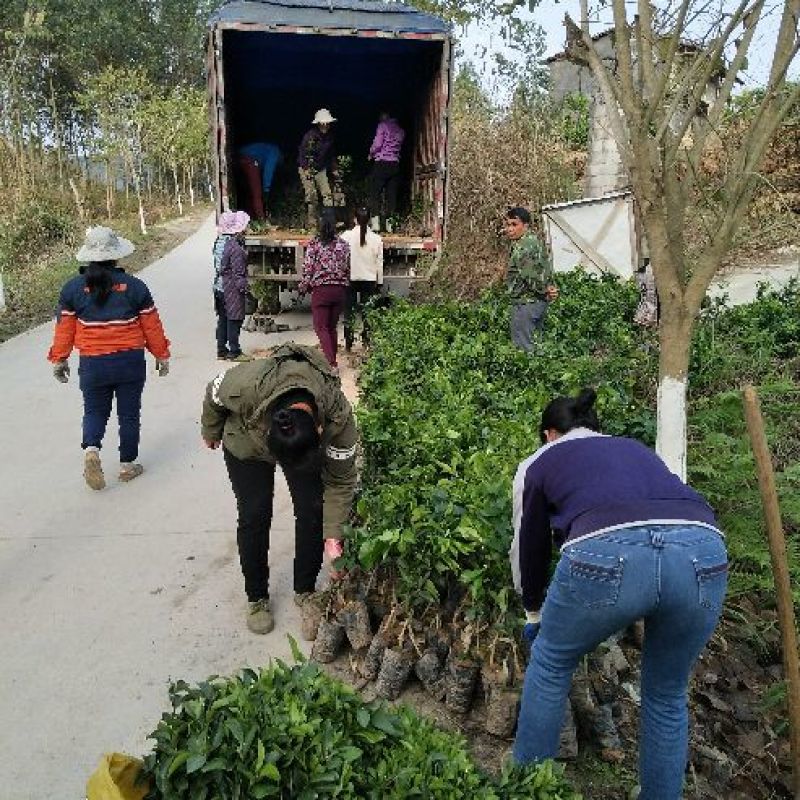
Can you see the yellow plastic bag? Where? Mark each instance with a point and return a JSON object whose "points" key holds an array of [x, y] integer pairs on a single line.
{"points": [[115, 779]]}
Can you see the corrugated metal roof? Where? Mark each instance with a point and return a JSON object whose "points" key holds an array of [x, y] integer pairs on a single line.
{"points": [[363, 15]]}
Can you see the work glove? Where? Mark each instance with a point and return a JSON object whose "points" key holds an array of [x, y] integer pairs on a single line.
{"points": [[61, 371], [532, 625], [334, 548], [162, 367]]}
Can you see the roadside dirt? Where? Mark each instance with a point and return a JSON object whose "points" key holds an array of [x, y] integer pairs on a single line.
{"points": [[783, 257], [738, 746]]}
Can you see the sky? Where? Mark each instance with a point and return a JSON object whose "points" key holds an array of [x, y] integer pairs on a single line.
{"points": [[550, 16]]}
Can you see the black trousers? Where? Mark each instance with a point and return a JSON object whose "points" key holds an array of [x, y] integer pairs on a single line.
{"points": [[227, 329], [358, 295], [253, 485], [385, 177]]}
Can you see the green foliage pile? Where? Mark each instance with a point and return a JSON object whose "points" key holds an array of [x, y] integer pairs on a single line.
{"points": [[292, 732], [449, 408]]}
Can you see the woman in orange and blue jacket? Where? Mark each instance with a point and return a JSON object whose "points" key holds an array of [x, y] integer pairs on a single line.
{"points": [[110, 317]]}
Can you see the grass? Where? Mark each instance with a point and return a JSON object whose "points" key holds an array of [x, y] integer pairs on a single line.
{"points": [[721, 466]]}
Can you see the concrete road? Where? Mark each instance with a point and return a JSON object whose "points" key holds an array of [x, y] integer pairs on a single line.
{"points": [[107, 596], [740, 284]]}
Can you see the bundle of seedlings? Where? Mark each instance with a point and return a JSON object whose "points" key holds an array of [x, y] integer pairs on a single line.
{"points": [[501, 677], [399, 655], [462, 669], [312, 610], [354, 617], [348, 603], [330, 637], [380, 592], [430, 667]]}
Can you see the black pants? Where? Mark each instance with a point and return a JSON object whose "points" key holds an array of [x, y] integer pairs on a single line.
{"points": [[385, 177], [358, 295], [254, 486], [228, 330]]}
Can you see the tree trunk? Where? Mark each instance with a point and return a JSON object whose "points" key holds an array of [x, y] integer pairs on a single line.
{"points": [[177, 186], [137, 188], [675, 335], [57, 134], [79, 202], [109, 191]]}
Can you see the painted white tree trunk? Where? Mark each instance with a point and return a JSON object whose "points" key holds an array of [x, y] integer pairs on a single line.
{"points": [[2, 295], [178, 198], [142, 223], [671, 425]]}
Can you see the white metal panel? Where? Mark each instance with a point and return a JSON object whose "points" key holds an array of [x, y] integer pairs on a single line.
{"points": [[596, 233]]}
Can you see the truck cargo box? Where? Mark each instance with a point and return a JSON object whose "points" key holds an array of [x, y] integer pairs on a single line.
{"points": [[272, 64]]}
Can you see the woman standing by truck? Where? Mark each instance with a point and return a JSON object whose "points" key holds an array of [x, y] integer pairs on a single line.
{"points": [[326, 274], [230, 284], [315, 158], [366, 274]]}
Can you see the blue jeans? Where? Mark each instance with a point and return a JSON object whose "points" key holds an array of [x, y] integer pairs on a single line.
{"points": [[672, 576], [526, 320], [102, 378]]}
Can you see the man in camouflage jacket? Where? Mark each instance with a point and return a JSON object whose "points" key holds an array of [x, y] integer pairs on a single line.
{"points": [[237, 413], [529, 278]]}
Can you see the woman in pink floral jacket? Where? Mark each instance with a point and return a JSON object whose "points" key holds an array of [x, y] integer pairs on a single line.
{"points": [[326, 274]]}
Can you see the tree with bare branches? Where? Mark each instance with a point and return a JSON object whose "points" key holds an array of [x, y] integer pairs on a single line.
{"points": [[664, 118]]}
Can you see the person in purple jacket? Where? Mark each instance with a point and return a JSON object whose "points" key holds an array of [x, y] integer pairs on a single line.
{"points": [[230, 283], [636, 543], [385, 152]]}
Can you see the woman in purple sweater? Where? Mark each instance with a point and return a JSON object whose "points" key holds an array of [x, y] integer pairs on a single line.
{"points": [[636, 543], [230, 283]]}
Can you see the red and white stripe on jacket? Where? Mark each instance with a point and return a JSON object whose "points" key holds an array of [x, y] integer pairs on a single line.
{"points": [[128, 320]]}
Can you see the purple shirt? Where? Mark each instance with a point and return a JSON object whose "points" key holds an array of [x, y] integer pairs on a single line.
{"points": [[388, 141], [584, 484]]}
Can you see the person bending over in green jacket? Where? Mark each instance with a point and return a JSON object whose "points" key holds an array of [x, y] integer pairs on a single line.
{"points": [[288, 410]]}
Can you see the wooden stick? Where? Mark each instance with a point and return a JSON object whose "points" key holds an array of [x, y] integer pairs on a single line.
{"points": [[780, 570]]}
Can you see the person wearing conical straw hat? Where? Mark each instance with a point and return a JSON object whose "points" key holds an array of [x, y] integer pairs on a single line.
{"points": [[110, 317]]}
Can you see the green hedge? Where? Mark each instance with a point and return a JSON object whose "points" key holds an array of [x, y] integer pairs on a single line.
{"points": [[449, 407]]}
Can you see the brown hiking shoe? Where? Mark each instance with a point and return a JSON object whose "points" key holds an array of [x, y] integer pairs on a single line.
{"points": [[259, 617], [300, 598], [93, 470], [129, 471]]}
